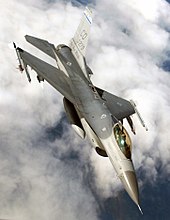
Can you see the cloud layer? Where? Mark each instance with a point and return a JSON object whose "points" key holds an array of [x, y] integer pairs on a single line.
{"points": [[46, 178], [134, 42]]}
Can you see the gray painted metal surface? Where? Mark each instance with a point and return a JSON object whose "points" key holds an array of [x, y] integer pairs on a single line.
{"points": [[92, 112]]}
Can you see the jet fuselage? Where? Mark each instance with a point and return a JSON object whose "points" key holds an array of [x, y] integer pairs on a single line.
{"points": [[99, 124], [91, 111]]}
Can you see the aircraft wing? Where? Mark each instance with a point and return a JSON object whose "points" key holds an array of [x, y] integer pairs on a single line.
{"points": [[79, 42], [48, 72], [120, 108], [42, 45]]}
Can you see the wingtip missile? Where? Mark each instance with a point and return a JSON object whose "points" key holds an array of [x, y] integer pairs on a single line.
{"points": [[21, 66], [138, 115], [27, 73]]}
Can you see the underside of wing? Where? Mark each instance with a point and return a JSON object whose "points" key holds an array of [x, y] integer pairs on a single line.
{"points": [[120, 108], [48, 72], [42, 45]]}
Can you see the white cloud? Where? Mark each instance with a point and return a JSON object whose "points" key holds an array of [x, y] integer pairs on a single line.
{"points": [[133, 44], [126, 45], [33, 183]]}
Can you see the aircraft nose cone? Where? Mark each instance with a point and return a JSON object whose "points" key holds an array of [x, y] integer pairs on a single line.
{"points": [[129, 181]]}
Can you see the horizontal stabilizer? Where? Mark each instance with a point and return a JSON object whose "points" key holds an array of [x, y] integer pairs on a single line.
{"points": [[42, 45]]}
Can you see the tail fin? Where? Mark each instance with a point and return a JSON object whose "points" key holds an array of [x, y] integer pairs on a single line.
{"points": [[80, 39], [79, 42]]}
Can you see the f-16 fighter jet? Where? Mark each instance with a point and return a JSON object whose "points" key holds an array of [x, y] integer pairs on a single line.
{"points": [[92, 112]]}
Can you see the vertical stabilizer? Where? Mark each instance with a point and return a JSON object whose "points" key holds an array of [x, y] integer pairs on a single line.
{"points": [[78, 43]]}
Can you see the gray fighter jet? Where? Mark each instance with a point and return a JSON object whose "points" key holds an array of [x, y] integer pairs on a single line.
{"points": [[92, 112]]}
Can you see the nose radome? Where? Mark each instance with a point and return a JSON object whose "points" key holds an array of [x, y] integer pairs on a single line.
{"points": [[129, 181]]}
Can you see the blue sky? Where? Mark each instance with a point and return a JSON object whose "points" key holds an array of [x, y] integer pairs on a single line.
{"points": [[42, 161]]}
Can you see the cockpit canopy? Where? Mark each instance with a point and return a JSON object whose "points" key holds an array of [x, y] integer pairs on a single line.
{"points": [[123, 140]]}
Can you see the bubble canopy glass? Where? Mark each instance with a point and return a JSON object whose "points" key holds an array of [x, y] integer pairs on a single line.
{"points": [[123, 140]]}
